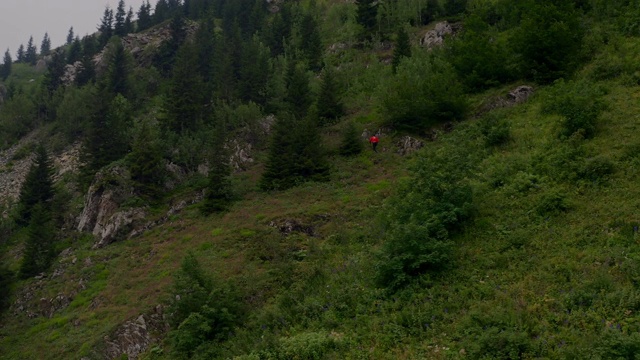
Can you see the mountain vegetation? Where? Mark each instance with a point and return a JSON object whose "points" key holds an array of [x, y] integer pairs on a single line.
{"points": [[235, 212]]}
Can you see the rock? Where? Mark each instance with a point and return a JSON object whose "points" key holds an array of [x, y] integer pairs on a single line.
{"points": [[520, 94], [240, 154], [435, 37], [41, 65], [288, 226], [407, 145], [516, 96], [135, 336]]}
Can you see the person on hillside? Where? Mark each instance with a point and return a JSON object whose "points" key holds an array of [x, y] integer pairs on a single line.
{"points": [[374, 142]]}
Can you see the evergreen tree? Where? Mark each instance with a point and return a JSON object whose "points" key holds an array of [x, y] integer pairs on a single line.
{"points": [[128, 22], [402, 48], [351, 143], [298, 95], [295, 154], [37, 187], [39, 247], [146, 163], [161, 12], [20, 55], [185, 99], [254, 72], [106, 27], [86, 73], [166, 55], [5, 68], [70, 36], [119, 26], [366, 16], [45, 47], [329, 106], [31, 54], [145, 20], [56, 69], [6, 279], [311, 42], [75, 52], [280, 30], [116, 79], [219, 195]]}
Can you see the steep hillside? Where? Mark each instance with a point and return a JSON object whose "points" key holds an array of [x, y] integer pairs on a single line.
{"points": [[216, 196]]}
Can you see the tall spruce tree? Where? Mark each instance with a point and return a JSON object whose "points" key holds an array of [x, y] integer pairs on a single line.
{"points": [[128, 22], [145, 19], [184, 104], [39, 246], [351, 143], [119, 26], [298, 95], [402, 48], [295, 154], [166, 55], [37, 187], [5, 68], [146, 163], [329, 106], [75, 52], [116, 79], [218, 194], [367, 16], [311, 44], [106, 27], [45, 47], [70, 36], [20, 54], [31, 54]]}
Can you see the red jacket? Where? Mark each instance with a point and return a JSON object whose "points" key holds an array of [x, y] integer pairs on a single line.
{"points": [[373, 139]]}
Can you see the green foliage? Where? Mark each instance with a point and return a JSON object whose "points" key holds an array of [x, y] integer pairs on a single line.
{"points": [[31, 53], [76, 108], [6, 282], [37, 187], [219, 193], [420, 218], [425, 92], [17, 118], [548, 40], [202, 309], [296, 154], [580, 103], [401, 49], [329, 105], [145, 161], [5, 68], [495, 129], [366, 16], [616, 344], [351, 143], [39, 248]]}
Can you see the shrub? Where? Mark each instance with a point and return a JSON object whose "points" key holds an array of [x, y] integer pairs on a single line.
{"points": [[425, 92], [496, 130], [579, 103], [552, 203], [597, 169]]}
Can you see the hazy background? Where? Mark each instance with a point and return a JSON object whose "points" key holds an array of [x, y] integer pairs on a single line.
{"points": [[20, 19]]}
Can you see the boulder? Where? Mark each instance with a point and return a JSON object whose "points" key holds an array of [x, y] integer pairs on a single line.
{"points": [[407, 145], [435, 37], [136, 336]]}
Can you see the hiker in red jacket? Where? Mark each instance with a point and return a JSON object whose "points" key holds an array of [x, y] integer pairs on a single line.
{"points": [[374, 142]]}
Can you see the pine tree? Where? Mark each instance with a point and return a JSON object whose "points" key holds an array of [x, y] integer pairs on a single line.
{"points": [[161, 12], [119, 28], [311, 42], [56, 69], [402, 48], [366, 16], [45, 47], [70, 36], [254, 72], [166, 55], [37, 187], [39, 246], [295, 154], [329, 106], [31, 54], [185, 99], [75, 52], [298, 94], [106, 27], [116, 79], [145, 20], [128, 22], [146, 163], [20, 55], [5, 68], [351, 143], [219, 195]]}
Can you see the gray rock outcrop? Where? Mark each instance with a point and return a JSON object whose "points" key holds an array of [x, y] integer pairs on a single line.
{"points": [[136, 336], [407, 145], [435, 37]]}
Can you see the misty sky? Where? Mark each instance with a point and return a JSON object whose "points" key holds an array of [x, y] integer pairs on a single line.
{"points": [[20, 19]]}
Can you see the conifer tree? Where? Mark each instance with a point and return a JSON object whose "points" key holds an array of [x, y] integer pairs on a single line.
{"points": [[86, 73], [280, 30], [146, 163], [329, 106], [185, 100], [116, 80], [366, 16], [128, 22], [166, 55], [45, 47], [70, 36], [144, 16], [53, 78], [5, 68], [298, 96], [106, 27], [39, 247], [311, 42], [402, 48], [20, 55], [254, 72], [37, 187], [351, 144], [161, 12], [31, 54], [218, 195], [119, 27], [75, 52]]}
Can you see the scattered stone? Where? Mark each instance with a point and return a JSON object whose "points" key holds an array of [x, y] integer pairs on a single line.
{"points": [[407, 145], [435, 37], [289, 226]]}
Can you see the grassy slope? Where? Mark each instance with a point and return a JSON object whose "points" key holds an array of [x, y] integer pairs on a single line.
{"points": [[553, 285]]}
